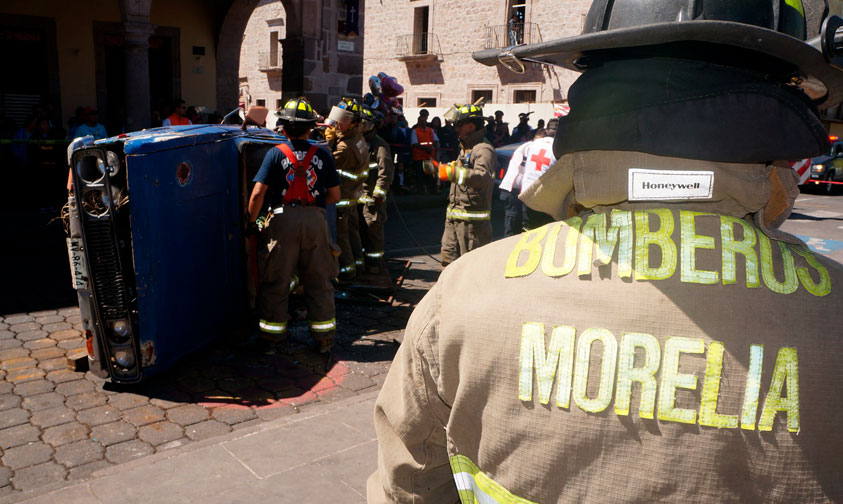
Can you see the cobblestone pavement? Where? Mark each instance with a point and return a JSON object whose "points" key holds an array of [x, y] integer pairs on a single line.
{"points": [[57, 424]]}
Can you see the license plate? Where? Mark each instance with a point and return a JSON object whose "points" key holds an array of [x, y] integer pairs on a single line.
{"points": [[78, 272]]}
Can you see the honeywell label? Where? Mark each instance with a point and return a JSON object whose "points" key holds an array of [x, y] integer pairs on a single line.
{"points": [[669, 185]]}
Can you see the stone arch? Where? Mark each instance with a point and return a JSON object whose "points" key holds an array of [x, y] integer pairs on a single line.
{"points": [[228, 51]]}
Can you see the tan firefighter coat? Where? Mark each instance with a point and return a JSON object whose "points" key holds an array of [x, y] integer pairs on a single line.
{"points": [[666, 349]]}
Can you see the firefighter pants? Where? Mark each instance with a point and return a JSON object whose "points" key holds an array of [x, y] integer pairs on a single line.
{"points": [[462, 236], [348, 240], [374, 218], [297, 239], [514, 208]]}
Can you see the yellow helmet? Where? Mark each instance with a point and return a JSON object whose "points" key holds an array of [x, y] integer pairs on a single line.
{"points": [[297, 111]]}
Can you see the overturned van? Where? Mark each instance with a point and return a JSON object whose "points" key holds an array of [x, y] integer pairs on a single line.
{"points": [[157, 248]]}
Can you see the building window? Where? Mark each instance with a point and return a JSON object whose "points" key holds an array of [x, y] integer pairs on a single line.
{"points": [[279, 103], [400, 101], [516, 21], [421, 29], [273, 49], [486, 94], [524, 96], [261, 103], [426, 102]]}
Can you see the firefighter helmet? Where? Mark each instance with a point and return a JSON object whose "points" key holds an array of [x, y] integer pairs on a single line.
{"points": [[766, 35], [368, 121], [469, 113], [353, 106], [297, 111]]}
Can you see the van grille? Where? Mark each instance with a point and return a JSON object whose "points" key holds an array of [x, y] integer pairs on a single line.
{"points": [[107, 278]]}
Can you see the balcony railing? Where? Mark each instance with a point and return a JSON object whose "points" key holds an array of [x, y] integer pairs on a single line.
{"points": [[501, 36], [269, 62], [417, 46]]}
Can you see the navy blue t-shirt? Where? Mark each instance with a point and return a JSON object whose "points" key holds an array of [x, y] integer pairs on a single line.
{"points": [[275, 168]]}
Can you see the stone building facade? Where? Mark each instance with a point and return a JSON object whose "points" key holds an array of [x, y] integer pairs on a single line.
{"points": [[427, 46], [293, 47]]}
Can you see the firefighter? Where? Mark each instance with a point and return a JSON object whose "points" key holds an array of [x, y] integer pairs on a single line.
{"points": [[663, 339], [468, 222], [375, 189], [298, 179], [351, 155]]}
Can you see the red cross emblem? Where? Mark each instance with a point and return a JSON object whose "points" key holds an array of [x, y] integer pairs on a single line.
{"points": [[540, 159]]}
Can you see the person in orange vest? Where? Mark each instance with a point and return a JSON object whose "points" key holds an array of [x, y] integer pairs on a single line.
{"points": [[179, 115], [425, 143]]}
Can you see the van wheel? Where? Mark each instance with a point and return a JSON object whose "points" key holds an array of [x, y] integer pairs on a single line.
{"points": [[830, 188]]}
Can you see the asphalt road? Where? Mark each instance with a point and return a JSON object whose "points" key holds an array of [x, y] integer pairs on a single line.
{"points": [[818, 220]]}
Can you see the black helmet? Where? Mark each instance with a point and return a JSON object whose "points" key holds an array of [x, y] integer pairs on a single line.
{"points": [[297, 111], [469, 113], [741, 31]]}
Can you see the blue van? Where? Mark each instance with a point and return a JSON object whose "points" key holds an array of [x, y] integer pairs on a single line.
{"points": [[157, 248]]}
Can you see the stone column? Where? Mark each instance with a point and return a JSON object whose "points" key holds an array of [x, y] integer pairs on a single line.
{"points": [[136, 53]]}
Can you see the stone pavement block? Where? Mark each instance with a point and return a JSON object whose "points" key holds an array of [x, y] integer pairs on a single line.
{"points": [[63, 375], [27, 455], [74, 387], [361, 417], [47, 353], [24, 327], [127, 451], [143, 415], [72, 344], [160, 433], [79, 453], [18, 435], [67, 334], [43, 401], [48, 319], [64, 434], [12, 417], [85, 471], [9, 401], [18, 318], [85, 401], [173, 399], [99, 415], [113, 433], [195, 384], [8, 344], [34, 388], [5, 476], [233, 416], [39, 344], [351, 467], [59, 326], [213, 469], [42, 313], [52, 417], [247, 424], [279, 449], [126, 401], [74, 319], [25, 375], [22, 362], [32, 335], [38, 476], [57, 364], [206, 429], [78, 494], [13, 353], [5, 334], [187, 414]]}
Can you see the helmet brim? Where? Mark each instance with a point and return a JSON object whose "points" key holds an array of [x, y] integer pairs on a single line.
{"points": [[565, 52]]}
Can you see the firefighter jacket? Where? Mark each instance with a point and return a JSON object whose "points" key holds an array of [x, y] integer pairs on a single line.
{"points": [[472, 179], [352, 160], [380, 172], [670, 347]]}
